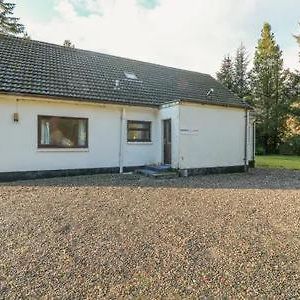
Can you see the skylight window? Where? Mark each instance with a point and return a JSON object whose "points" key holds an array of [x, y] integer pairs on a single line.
{"points": [[130, 75]]}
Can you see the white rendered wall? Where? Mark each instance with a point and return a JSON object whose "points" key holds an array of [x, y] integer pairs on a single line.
{"points": [[251, 139], [202, 136], [18, 144], [211, 136], [165, 113], [140, 154]]}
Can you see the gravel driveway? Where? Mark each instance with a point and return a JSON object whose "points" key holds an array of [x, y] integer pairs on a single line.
{"points": [[130, 237]]}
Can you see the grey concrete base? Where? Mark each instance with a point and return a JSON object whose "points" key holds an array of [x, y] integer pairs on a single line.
{"points": [[214, 170], [13, 176]]}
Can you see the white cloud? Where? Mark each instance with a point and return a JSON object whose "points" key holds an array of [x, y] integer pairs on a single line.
{"points": [[291, 58], [94, 6], [191, 34], [66, 10]]}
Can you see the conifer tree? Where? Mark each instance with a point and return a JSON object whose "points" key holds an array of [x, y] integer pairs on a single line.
{"points": [[69, 44], [298, 40], [240, 73], [292, 92], [26, 36], [267, 88], [8, 23], [225, 75]]}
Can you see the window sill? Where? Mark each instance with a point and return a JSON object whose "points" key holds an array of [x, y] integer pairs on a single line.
{"points": [[62, 150], [139, 143]]}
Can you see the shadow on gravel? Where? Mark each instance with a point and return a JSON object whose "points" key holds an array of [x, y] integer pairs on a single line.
{"points": [[254, 179]]}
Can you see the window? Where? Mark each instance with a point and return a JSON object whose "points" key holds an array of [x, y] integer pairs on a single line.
{"points": [[130, 75], [138, 131], [62, 132]]}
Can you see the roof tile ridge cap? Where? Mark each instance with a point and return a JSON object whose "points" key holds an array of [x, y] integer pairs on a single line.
{"points": [[30, 41]]}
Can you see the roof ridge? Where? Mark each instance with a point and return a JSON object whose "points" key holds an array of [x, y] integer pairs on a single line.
{"points": [[101, 53]]}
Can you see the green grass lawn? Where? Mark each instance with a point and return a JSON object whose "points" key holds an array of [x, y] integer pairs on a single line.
{"points": [[278, 161]]}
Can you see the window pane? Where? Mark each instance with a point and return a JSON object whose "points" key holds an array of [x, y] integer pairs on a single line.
{"points": [[138, 125], [139, 131], [135, 135], [62, 132]]}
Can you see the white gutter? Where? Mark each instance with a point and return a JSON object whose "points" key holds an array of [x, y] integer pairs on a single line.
{"points": [[121, 149]]}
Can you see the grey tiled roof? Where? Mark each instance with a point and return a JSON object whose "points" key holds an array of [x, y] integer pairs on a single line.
{"points": [[44, 69]]}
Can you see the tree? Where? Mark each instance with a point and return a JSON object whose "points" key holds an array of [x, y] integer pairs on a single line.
{"points": [[240, 72], [26, 36], [68, 43], [267, 87], [292, 92], [298, 40], [226, 75], [8, 23]]}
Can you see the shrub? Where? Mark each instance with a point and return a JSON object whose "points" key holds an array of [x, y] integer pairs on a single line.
{"points": [[260, 150], [290, 146], [286, 149]]}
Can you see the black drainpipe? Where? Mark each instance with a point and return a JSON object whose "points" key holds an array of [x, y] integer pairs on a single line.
{"points": [[246, 141]]}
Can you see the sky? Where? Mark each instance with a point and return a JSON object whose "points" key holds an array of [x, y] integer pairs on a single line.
{"points": [[188, 34]]}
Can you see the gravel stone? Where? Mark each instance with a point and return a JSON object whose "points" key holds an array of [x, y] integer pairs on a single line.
{"points": [[126, 236]]}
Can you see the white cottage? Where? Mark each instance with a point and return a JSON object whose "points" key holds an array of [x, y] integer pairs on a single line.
{"points": [[67, 111]]}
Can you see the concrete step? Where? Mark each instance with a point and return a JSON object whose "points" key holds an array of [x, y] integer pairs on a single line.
{"points": [[159, 168]]}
